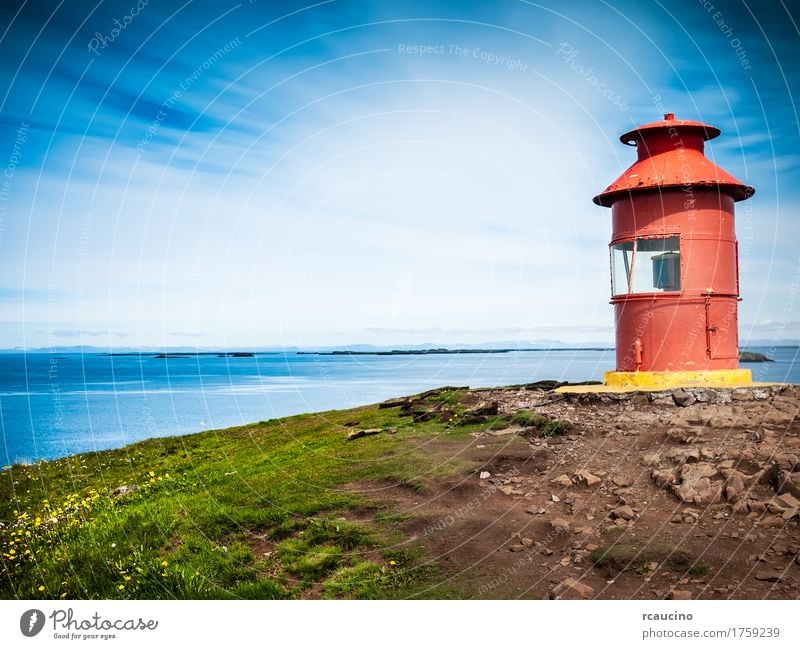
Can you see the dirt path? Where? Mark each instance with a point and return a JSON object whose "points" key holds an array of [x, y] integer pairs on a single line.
{"points": [[642, 498]]}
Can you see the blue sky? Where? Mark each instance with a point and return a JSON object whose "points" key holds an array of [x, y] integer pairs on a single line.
{"points": [[269, 174]]}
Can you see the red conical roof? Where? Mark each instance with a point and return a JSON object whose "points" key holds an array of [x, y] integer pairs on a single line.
{"points": [[671, 156], [631, 138]]}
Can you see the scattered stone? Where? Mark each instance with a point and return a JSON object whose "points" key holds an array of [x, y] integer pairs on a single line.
{"points": [[124, 489], [787, 462], [695, 486], [535, 511], [479, 413], [787, 500], [625, 512], [682, 398], [358, 434], [679, 434], [622, 480], [485, 474], [663, 477], [679, 594], [707, 453], [394, 403], [772, 521], [651, 459], [587, 478], [562, 481], [739, 507], [555, 498], [692, 455], [419, 416], [571, 588], [560, 524], [734, 488], [769, 575], [773, 507]]}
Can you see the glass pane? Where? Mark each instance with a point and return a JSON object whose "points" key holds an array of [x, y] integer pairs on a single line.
{"points": [[621, 258], [657, 266]]}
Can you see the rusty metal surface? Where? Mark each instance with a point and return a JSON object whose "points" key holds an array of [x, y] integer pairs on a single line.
{"points": [[631, 138], [670, 155]]}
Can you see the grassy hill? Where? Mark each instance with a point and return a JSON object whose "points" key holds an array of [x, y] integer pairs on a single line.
{"points": [[251, 512], [692, 493]]}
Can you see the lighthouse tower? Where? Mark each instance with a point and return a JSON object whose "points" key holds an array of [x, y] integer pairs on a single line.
{"points": [[674, 261]]}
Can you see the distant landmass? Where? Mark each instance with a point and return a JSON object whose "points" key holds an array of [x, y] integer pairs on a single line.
{"points": [[492, 347], [441, 350], [754, 357]]}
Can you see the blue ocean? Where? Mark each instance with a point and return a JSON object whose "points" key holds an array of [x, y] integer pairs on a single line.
{"points": [[52, 405]]}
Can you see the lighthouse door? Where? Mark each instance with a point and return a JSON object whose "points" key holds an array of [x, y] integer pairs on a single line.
{"points": [[721, 328]]}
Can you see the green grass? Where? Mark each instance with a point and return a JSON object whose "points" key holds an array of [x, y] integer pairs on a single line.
{"points": [[248, 512], [698, 570], [448, 397], [544, 426], [635, 556]]}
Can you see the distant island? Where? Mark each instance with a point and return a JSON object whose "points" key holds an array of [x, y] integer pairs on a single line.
{"points": [[417, 352], [744, 356], [185, 354], [754, 357]]}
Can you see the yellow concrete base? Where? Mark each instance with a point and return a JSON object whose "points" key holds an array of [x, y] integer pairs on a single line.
{"points": [[656, 381], [669, 380]]}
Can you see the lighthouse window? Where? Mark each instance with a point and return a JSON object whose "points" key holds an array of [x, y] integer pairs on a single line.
{"points": [[646, 266], [621, 261]]}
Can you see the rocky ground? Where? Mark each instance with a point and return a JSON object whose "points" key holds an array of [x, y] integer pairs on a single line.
{"points": [[686, 494]]}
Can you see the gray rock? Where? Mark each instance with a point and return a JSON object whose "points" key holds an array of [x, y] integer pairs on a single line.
{"points": [[769, 575], [683, 398], [124, 489], [680, 594], [358, 434], [571, 588], [663, 477], [625, 512]]}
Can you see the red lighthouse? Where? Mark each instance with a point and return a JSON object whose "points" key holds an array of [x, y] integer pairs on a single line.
{"points": [[674, 260]]}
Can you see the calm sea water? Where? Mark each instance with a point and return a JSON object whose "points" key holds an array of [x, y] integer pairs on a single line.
{"points": [[56, 405]]}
